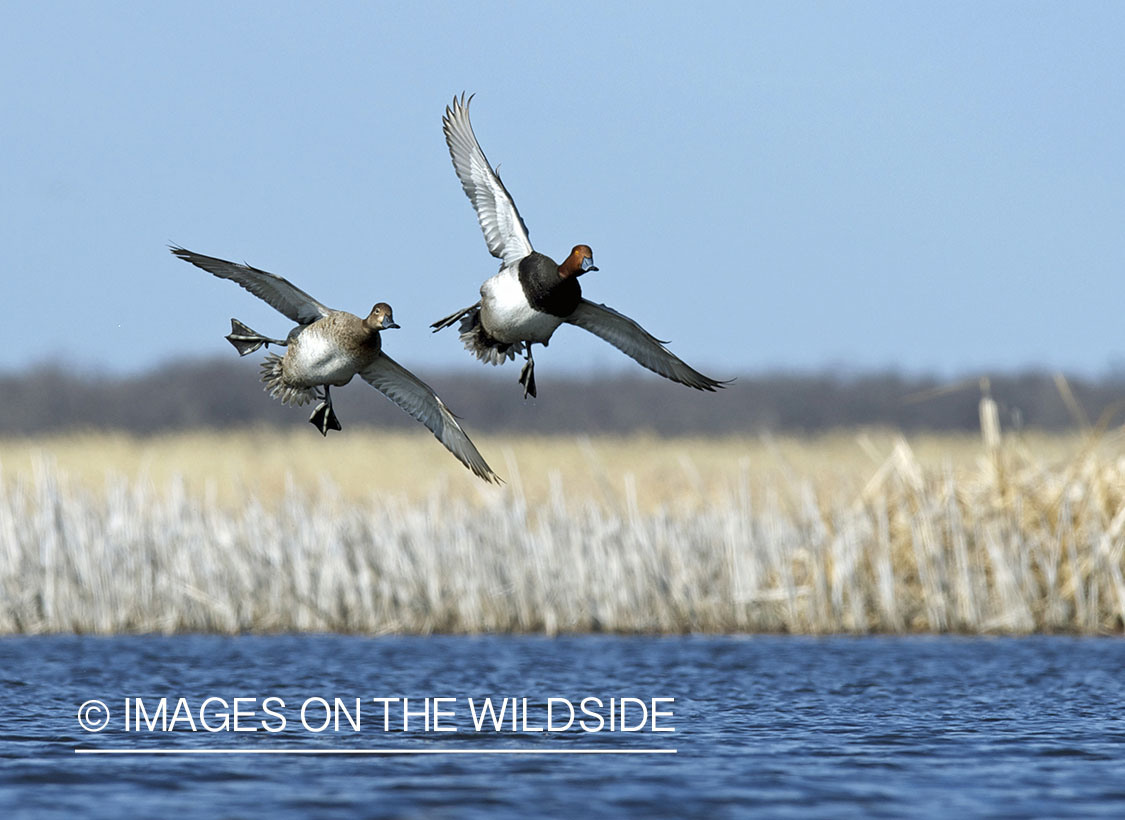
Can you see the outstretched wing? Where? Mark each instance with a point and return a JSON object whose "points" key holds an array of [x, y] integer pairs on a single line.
{"points": [[633, 340], [277, 292], [504, 229], [415, 397]]}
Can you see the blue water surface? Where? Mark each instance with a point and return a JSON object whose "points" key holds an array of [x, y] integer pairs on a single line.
{"points": [[769, 726]]}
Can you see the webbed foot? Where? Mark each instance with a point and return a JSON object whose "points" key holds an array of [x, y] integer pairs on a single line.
{"points": [[527, 378], [323, 418], [452, 318], [246, 341]]}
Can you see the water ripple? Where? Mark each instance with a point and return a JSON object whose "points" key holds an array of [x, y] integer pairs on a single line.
{"points": [[781, 726]]}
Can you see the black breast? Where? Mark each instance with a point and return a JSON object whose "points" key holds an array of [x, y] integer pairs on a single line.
{"points": [[545, 289]]}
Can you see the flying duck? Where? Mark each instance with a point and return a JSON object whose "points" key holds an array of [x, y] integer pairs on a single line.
{"points": [[532, 295], [326, 349]]}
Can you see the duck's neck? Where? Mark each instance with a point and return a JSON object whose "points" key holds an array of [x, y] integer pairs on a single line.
{"points": [[365, 333], [571, 268], [545, 286]]}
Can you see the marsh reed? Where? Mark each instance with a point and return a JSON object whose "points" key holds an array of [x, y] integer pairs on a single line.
{"points": [[867, 532]]}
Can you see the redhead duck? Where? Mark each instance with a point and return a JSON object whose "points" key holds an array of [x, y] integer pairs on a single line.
{"points": [[326, 349], [532, 295]]}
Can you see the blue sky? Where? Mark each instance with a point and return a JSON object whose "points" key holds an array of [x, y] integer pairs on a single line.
{"points": [[934, 187]]}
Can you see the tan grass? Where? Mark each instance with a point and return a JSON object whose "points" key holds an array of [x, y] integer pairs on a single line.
{"points": [[858, 532], [667, 471]]}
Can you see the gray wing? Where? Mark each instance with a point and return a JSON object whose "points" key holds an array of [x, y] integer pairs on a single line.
{"points": [[633, 340], [504, 229], [415, 397], [277, 292]]}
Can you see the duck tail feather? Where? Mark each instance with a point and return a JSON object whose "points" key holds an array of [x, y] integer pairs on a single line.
{"points": [[478, 342], [276, 386]]}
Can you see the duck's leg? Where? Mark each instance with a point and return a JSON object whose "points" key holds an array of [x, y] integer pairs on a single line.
{"points": [[527, 375], [449, 320], [323, 418], [246, 341]]}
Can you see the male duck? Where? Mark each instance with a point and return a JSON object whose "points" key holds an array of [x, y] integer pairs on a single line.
{"points": [[532, 295], [327, 348]]}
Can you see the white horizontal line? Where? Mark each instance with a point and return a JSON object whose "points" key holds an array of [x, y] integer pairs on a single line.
{"points": [[375, 751]]}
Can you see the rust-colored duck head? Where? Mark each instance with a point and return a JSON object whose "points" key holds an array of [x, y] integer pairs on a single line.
{"points": [[580, 261]]}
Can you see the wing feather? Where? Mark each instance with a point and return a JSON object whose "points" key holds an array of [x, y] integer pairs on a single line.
{"points": [[417, 398], [633, 340], [504, 230], [275, 291]]}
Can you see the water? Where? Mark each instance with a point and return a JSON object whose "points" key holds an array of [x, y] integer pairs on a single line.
{"points": [[786, 727]]}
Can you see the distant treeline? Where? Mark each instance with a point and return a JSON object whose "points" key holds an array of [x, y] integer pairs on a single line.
{"points": [[224, 394]]}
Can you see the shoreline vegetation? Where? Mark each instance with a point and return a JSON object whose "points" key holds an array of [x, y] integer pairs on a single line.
{"points": [[274, 531]]}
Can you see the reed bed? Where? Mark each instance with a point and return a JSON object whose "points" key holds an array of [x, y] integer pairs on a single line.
{"points": [[265, 532]]}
